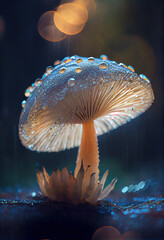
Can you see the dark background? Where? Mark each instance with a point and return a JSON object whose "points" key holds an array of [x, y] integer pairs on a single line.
{"points": [[128, 31]]}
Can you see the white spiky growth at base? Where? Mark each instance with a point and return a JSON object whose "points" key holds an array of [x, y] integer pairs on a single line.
{"points": [[64, 187]]}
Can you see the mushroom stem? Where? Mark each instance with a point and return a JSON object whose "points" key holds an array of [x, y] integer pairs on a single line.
{"points": [[88, 153]]}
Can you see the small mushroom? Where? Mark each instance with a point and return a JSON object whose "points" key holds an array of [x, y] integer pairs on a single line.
{"points": [[79, 100]]}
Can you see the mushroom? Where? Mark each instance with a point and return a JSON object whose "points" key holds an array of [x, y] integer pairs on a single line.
{"points": [[77, 100]]}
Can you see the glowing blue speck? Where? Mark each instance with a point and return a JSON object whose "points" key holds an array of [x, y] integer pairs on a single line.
{"points": [[31, 146], [130, 188], [125, 189], [141, 184], [33, 194], [126, 212]]}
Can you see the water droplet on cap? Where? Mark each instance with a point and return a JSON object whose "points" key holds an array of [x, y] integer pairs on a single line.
{"points": [[68, 60], [30, 89], [65, 59], [73, 57], [91, 59], [114, 62], [37, 82], [103, 66], [104, 57], [71, 82], [49, 69], [23, 103], [62, 70], [144, 77], [131, 68], [44, 75], [122, 65], [78, 70], [79, 60], [57, 62], [27, 93]]}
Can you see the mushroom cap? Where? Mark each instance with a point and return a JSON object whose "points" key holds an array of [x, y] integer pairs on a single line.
{"points": [[77, 90]]}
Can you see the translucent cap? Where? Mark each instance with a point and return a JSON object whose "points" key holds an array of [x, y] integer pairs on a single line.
{"points": [[77, 90]]}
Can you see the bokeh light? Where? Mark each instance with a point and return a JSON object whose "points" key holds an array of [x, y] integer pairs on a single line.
{"points": [[135, 188], [47, 28], [111, 233], [66, 27], [73, 13], [68, 19], [106, 233], [131, 235]]}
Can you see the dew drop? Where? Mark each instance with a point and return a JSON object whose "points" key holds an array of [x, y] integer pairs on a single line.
{"points": [[30, 89], [57, 62], [103, 66], [73, 57], [79, 60], [104, 57], [27, 93], [144, 77], [71, 82], [78, 70], [44, 75], [68, 60], [49, 69], [37, 82], [91, 59], [62, 70], [113, 62], [122, 65], [23, 103], [131, 68], [31, 146], [65, 59]]}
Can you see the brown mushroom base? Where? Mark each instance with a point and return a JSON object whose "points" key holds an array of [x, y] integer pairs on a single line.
{"points": [[64, 187], [88, 153]]}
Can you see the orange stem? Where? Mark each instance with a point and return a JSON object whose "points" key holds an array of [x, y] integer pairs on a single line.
{"points": [[88, 153]]}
